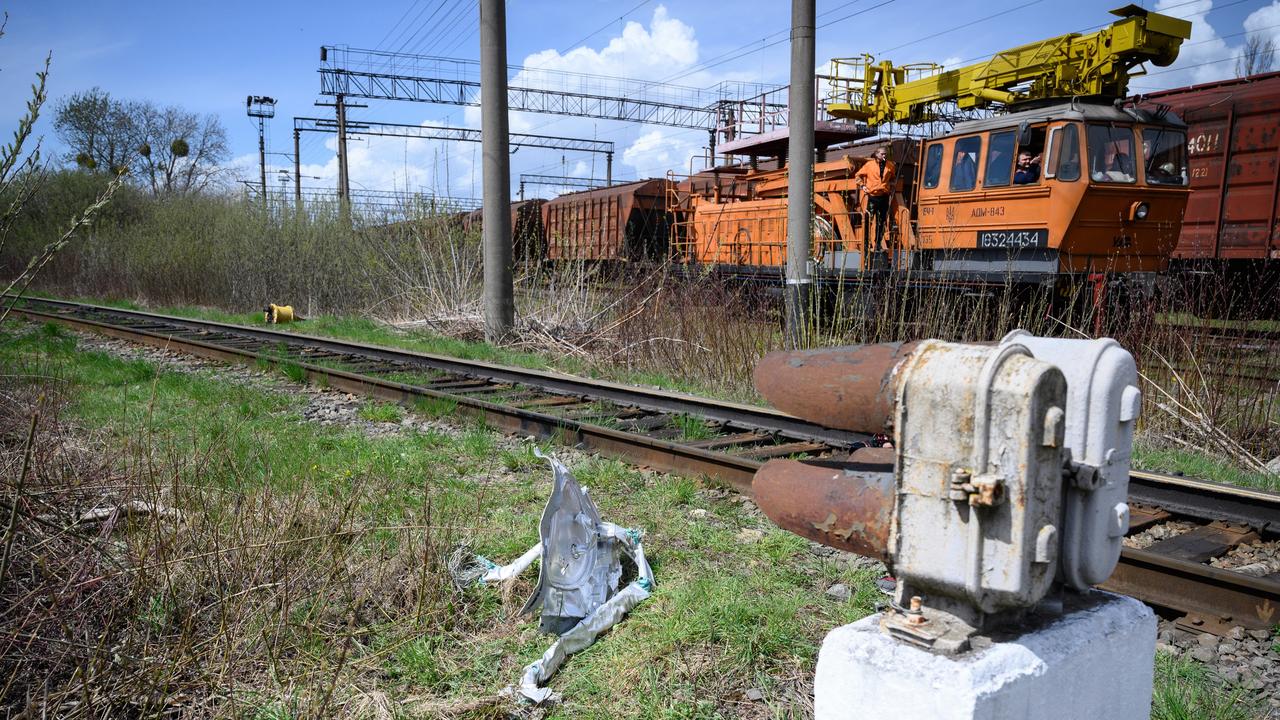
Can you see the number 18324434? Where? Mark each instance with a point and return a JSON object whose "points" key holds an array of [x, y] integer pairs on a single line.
{"points": [[1012, 239]]}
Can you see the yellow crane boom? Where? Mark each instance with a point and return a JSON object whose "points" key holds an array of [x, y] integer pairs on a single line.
{"points": [[1072, 65]]}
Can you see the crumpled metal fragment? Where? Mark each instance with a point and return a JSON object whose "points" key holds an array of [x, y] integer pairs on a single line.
{"points": [[579, 572]]}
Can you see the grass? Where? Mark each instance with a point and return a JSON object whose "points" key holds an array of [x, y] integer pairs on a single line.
{"points": [[693, 428], [214, 257], [381, 412], [331, 569], [1150, 452], [1199, 465], [1187, 690]]}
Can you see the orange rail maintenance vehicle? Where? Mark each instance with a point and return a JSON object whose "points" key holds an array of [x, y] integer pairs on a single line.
{"points": [[1061, 182]]}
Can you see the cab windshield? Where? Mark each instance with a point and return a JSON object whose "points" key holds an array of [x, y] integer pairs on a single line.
{"points": [[1111, 154], [1164, 153]]}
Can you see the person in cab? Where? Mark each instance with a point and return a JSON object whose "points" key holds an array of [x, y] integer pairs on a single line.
{"points": [[1028, 170]]}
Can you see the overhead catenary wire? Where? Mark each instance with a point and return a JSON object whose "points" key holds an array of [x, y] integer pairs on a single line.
{"points": [[399, 22], [730, 55], [709, 65], [431, 42], [427, 28], [1099, 26], [472, 31]]}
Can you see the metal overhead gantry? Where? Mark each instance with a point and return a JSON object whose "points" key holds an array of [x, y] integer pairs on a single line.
{"points": [[440, 132], [560, 181], [378, 75]]}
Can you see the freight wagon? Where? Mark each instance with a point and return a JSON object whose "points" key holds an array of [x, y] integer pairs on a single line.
{"points": [[1228, 251]]}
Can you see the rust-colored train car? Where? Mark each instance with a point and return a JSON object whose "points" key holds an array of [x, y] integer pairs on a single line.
{"points": [[529, 238], [1233, 140], [622, 222]]}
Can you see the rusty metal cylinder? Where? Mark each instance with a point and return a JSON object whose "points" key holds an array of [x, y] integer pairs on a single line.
{"points": [[849, 388], [842, 505]]}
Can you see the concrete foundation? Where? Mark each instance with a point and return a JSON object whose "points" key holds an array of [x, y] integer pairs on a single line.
{"points": [[1092, 662]]}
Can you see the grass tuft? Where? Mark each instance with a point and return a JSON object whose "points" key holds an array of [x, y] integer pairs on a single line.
{"points": [[1187, 690], [381, 412]]}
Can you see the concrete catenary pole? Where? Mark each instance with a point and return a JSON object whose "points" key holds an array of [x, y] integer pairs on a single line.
{"points": [[499, 307], [262, 159], [297, 169], [344, 182], [800, 102]]}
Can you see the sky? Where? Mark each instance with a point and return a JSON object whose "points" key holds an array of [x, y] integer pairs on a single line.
{"points": [[207, 57]]}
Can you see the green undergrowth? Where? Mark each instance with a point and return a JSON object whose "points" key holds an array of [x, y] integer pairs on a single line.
{"points": [[1188, 690], [367, 330], [1146, 456], [729, 614], [1196, 465]]}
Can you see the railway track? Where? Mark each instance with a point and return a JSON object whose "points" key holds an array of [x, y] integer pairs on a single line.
{"points": [[725, 441]]}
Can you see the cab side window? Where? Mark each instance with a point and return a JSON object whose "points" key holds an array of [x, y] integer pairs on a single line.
{"points": [[964, 163], [1165, 154], [1026, 169], [933, 165], [1000, 156], [1065, 162]]}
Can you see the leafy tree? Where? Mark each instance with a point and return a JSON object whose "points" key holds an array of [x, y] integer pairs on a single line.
{"points": [[170, 150], [180, 152], [99, 130]]}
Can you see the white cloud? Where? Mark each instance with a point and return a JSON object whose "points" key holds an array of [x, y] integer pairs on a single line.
{"points": [[666, 47], [1265, 22], [1208, 56], [659, 150]]}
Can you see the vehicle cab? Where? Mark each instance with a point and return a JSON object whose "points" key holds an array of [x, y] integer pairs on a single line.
{"points": [[1069, 188]]}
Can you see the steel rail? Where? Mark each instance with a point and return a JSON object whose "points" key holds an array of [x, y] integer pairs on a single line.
{"points": [[748, 416], [1226, 597], [1206, 500], [1169, 582]]}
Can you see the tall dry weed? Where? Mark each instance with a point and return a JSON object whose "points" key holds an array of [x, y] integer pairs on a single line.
{"points": [[145, 583]]}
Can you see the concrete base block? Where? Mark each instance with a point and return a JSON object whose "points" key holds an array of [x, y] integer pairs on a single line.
{"points": [[1092, 662]]}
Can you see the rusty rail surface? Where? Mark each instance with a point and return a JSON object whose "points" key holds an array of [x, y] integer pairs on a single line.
{"points": [[644, 426]]}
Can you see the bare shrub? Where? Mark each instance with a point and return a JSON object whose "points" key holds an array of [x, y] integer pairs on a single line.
{"points": [[138, 586]]}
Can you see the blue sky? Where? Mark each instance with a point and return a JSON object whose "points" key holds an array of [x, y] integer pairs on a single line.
{"points": [[207, 57]]}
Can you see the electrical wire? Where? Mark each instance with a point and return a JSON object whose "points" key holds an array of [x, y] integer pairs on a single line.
{"points": [[725, 57], [709, 64], [426, 26], [971, 23], [605, 26], [430, 40], [717, 62], [399, 22], [463, 37]]}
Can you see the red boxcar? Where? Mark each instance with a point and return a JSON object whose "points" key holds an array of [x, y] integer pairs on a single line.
{"points": [[1233, 138], [623, 222]]}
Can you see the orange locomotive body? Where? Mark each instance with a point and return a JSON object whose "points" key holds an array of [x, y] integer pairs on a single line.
{"points": [[1108, 195], [739, 219]]}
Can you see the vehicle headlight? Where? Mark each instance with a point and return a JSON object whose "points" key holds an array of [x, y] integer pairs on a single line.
{"points": [[1139, 211]]}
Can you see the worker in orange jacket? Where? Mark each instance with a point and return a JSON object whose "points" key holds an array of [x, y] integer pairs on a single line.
{"points": [[875, 181]]}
